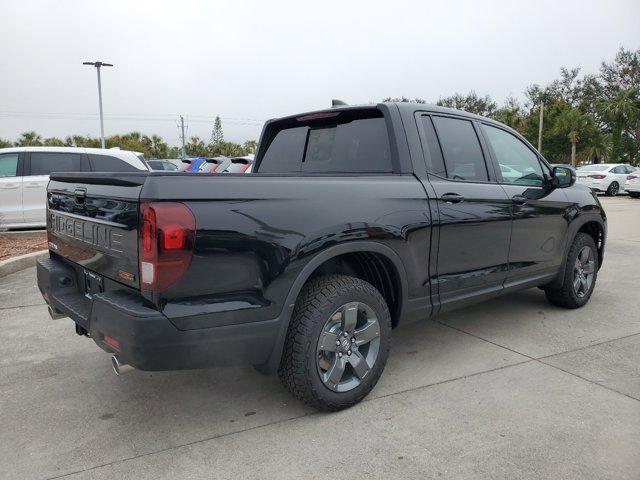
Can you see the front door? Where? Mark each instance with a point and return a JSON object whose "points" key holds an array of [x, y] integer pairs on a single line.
{"points": [[540, 213], [474, 213], [10, 190]]}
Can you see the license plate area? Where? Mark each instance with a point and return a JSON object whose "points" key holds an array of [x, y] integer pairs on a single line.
{"points": [[92, 284]]}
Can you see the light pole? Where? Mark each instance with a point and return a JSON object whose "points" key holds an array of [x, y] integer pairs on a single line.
{"points": [[98, 65]]}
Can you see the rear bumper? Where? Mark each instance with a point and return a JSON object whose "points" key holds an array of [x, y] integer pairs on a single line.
{"points": [[147, 339]]}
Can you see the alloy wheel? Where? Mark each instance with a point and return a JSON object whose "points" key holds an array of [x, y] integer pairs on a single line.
{"points": [[583, 272], [348, 346]]}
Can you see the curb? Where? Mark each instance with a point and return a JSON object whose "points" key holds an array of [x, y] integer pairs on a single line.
{"points": [[21, 262]]}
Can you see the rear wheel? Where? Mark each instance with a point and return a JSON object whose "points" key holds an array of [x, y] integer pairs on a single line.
{"points": [[613, 189], [580, 274], [337, 344]]}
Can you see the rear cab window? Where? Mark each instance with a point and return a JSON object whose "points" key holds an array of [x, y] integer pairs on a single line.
{"points": [[346, 141]]}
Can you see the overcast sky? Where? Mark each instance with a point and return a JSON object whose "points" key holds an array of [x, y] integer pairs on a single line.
{"points": [[254, 60]]}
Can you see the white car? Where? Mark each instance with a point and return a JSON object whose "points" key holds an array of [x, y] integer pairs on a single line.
{"points": [[24, 174], [633, 184], [610, 178]]}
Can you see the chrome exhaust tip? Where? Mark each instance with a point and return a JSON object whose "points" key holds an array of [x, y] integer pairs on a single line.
{"points": [[55, 314], [120, 368]]}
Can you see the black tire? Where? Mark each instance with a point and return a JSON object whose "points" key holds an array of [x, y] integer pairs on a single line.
{"points": [[634, 194], [565, 295], [613, 189], [299, 367]]}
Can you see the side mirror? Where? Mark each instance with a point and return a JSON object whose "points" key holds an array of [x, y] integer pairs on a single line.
{"points": [[563, 177]]}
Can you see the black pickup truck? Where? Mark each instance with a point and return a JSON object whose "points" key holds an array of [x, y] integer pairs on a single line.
{"points": [[356, 220]]}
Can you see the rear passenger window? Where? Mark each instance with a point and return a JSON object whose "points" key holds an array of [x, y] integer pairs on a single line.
{"points": [[45, 163], [339, 145], [9, 165], [461, 148], [435, 162], [106, 163]]}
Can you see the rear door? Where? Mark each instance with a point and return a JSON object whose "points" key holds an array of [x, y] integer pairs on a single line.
{"points": [[540, 224], [474, 211], [39, 165], [11, 189]]}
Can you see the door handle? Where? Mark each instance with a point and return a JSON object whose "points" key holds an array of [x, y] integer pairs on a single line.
{"points": [[519, 199], [34, 185], [452, 198], [9, 186]]}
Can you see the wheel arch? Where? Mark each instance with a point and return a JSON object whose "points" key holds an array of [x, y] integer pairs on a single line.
{"points": [[314, 266], [592, 225]]}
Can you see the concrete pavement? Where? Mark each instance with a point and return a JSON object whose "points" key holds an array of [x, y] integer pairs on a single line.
{"points": [[512, 388]]}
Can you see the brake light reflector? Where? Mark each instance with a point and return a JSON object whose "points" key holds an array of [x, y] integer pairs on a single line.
{"points": [[167, 240]]}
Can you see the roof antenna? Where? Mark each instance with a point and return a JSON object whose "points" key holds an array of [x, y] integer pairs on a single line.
{"points": [[337, 103]]}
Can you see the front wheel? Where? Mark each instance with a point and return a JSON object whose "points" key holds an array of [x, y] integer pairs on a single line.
{"points": [[337, 344], [580, 274], [613, 189]]}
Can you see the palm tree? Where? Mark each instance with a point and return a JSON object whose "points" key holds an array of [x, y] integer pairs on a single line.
{"points": [[599, 148], [572, 123], [29, 139], [620, 112]]}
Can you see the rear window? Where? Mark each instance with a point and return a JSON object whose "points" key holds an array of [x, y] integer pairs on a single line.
{"points": [[106, 163], [336, 145], [45, 163]]}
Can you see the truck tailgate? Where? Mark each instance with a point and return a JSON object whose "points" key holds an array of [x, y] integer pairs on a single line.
{"points": [[92, 221]]}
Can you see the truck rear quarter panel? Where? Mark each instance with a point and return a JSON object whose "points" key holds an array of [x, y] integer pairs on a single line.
{"points": [[255, 234]]}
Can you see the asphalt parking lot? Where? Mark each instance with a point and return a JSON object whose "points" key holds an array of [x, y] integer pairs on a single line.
{"points": [[512, 388]]}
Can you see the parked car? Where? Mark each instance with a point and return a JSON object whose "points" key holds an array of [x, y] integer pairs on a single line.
{"points": [[238, 165], [351, 225], [609, 178], [215, 165], [633, 184], [163, 165], [24, 174]]}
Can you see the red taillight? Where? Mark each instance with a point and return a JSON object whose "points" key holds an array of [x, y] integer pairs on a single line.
{"points": [[245, 167], [599, 177], [167, 239], [631, 177]]}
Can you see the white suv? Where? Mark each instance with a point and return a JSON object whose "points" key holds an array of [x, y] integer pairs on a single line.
{"points": [[24, 174]]}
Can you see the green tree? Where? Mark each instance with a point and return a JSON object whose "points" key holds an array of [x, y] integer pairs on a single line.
{"points": [[196, 147], [621, 112], [53, 142], [404, 99], [249, 147], [82, 141], [471, 103], [29, 139], [598, 149], [572, 123], [5, 143], [217, 135]]}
